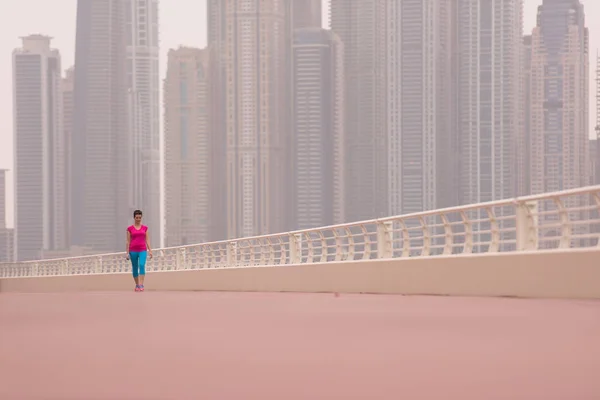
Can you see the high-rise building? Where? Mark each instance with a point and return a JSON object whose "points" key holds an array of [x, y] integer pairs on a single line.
{"points": [[40, 215], [251, 38], [361, 26], [67, 91], [489, 36], [400, 139], [188, 154], [420, 151], [596, 153], [523, 145], [101, 156], [559, 98], [300, 14], [143, 81], [318, 129], [6, 234]]}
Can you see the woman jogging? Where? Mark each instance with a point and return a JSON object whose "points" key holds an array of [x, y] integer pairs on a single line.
{"points": [[138, 247]]}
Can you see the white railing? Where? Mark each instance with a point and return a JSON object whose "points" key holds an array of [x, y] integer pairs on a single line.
{"points": [[560, 220]]}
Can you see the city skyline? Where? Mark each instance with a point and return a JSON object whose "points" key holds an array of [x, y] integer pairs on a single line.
{"points": [[162, 75], [178, 27]]}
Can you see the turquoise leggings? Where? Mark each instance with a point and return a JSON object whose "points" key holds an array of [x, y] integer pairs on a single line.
{"points": [[138, 262]]}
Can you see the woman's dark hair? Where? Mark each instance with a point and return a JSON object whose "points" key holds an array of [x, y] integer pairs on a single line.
{"points": [[137, 212]]}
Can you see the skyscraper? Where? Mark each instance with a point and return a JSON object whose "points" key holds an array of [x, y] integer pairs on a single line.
{"points": [[251, 38], [318, 129], [40, 214], [67, 91], [399, 105], [420, 147], [489, 37], [101, 158], [143, 106], [361, 26], [524, 140], [188, 154], [559, 98], [596, 153]]}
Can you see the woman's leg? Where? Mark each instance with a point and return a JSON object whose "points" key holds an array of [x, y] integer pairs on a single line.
{"points": [[142, 258], [134, 256]]}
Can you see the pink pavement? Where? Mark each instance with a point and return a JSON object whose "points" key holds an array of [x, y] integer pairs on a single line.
{"points": [[246, 346]]}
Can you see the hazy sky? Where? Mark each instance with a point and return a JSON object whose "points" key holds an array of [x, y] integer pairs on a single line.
{"points": [[183, 22]]}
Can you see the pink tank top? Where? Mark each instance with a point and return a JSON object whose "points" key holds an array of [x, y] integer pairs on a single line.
{"points": [[138, 238]]}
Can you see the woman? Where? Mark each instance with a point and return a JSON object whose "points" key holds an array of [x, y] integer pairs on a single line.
{"points": [[138, 247]]}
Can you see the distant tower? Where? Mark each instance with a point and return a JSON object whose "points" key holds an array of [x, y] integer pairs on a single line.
{"points": [[524, 139], [489, 39], [560, 108], [251, 38], [101, 162], [40, 170], [68, 89], [559, 98], [362, 29], [188, 155], [400, 144], [143, 100], [318, 129]]}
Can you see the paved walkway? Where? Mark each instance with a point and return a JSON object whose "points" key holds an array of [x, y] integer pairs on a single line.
{"points": [[245, 346]]}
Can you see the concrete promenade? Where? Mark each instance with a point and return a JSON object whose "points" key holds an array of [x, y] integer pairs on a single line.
{"points": [[271, 346]]}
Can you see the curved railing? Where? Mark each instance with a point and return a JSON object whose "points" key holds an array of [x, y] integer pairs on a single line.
{"points": [[561, 220]]}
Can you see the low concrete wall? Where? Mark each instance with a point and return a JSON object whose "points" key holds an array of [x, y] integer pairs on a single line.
{"points": [[570, 274]]}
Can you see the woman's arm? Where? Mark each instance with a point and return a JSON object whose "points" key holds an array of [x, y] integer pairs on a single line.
{"points": [[148, 244], [128, 242]]}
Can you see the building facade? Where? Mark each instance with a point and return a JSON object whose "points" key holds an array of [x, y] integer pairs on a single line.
{"points": [[142, 35], [188, 191], [489, 44], [40, 167], [251, 38], [400, 110], [419, 130], [559, 98], [595, 154], [318, 129], [524, 140], [361, 28], [101, 149], [67, 93], [306, 13]]}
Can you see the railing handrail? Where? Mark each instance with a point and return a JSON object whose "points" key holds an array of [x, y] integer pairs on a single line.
{"points": [[422, 214]]}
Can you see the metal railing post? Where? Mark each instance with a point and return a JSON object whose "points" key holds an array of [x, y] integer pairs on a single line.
{"points": [[231, 256], [526, 226], [384, 239], [295, 249]]}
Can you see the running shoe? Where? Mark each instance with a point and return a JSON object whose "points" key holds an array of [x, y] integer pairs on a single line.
{"points": [[137, 288], [141, 288]]}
